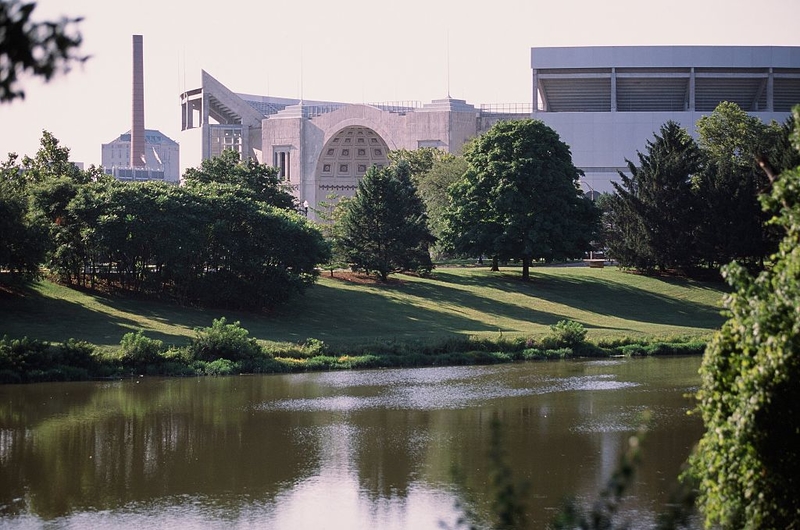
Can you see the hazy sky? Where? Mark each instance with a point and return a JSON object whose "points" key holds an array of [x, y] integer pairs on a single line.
{"points": [[353, 51]]}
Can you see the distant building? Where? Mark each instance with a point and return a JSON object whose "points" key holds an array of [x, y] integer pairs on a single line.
{"points": [[604, 101], [161, 158], [607, 101], [141, 154], [324, 147]]}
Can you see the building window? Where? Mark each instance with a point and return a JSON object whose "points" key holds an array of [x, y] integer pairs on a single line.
{"points": [[281, 159]]}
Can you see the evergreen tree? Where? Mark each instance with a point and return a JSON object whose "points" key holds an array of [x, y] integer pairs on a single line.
{"points": [[384, 227], [652, 217]]}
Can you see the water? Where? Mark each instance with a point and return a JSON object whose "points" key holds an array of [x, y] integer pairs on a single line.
{"points": [[369, 449]]}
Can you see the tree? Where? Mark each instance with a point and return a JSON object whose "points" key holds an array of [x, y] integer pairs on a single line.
{"points": [[23, 235], [41, 48], [747, 464], [258, 180], [432, 188], [733, 226], [653, 215], [420, 161], [520, 197], [384, 227]]}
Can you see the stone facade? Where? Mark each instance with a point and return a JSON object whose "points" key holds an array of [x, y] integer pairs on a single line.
{"points": [[324, 147]]}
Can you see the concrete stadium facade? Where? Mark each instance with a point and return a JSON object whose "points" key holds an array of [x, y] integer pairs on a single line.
{"points": [[325, 147], [604, 101], [607, 101]]}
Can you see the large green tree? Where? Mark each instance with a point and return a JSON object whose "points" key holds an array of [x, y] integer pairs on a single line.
{"points": [[40, 48], [384, 228], [23, 234], [733, 224], [748, 461], [653, 215], [520, 197]]}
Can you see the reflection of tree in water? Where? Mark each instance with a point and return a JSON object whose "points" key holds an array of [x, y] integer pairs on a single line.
{"points": [[121, 443], [377, 440]]}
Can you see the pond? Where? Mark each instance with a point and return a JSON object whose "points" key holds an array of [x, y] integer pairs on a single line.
{"points": [[387, 449]]}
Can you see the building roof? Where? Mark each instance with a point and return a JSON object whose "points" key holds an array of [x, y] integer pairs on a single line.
{"points": [[151, 136], [666, 78]]}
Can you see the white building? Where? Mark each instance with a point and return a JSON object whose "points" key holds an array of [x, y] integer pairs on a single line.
{"points": [[161, 158], [324, 147], [607, 101]]}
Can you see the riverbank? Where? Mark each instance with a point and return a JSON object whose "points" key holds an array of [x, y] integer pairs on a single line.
{"points": [[458, 316]]}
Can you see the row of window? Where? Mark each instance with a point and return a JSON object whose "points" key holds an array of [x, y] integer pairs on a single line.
{"points": [[344, 169], [359, 152], [358, 140]]}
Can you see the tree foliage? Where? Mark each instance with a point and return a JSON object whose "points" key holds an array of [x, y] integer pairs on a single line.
{"points": [[40, 48], [23, 234], [733, 224], [384, 228], [687, 205], [652, 216], [231, 237], [519, 198], [419, 161], [433, 189], [748, 461], [248, 177]]}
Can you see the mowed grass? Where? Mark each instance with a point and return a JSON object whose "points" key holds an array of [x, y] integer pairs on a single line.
{"points": [[454, 301]]}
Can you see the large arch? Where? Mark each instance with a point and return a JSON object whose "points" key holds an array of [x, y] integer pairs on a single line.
{"points": [[346, 156]]}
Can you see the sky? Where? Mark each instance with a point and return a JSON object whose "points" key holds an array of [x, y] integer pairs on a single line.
{"points": [[348, 50]]}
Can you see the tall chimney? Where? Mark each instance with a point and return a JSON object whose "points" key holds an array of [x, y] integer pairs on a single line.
{"points": [[137, 127]]}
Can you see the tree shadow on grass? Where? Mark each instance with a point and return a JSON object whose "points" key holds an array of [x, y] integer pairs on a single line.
{"points": [[369, 312], [602, 296], [28, 312]]}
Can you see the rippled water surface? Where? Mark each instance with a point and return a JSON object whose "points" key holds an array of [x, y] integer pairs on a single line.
{"points": [[369, 449]]}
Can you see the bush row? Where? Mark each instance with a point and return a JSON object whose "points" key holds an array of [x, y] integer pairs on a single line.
{"points": [[227, 348]]}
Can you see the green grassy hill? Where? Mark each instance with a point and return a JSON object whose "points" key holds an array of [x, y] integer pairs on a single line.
{"points": [[465, 301]]}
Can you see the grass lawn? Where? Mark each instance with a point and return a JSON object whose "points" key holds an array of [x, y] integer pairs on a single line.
{"points": [[466, 301]]}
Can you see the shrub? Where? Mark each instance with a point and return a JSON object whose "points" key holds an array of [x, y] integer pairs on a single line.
{"points": [[567, 333], [221, 367], [224, 341], [313, 347], [76, 353], [139, 351], [24, 355]]}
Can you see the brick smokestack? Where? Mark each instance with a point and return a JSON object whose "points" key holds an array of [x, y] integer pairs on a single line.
{"points": [[137, 126]]}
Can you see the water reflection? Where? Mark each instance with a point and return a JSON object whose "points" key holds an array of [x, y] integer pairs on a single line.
{"points": [[372, 449]]}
